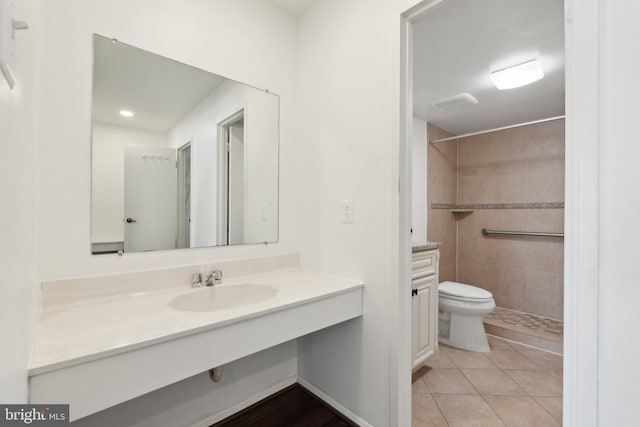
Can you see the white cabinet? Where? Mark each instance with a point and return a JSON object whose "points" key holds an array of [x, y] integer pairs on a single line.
{"points": [[424, 298]]}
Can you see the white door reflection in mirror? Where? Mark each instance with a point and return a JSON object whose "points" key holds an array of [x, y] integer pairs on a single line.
{"points": [[150, 184]]}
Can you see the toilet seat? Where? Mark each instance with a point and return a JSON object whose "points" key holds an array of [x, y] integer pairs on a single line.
{"points": [[461, 292]]}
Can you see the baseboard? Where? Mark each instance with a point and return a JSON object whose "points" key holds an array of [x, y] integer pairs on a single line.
{"points": [[331, 402], [532, 347], [246, 403]]}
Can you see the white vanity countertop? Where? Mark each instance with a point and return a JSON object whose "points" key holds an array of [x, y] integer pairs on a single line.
{"points": [[425, 246], [89, 329]]}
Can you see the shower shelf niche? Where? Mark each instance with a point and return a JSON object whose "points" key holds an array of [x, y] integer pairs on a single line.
{"points": [[455, 211]]}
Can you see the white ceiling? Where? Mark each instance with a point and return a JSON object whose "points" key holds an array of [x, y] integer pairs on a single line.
{"points": [[159, 91], [460, 42], [294, 6]]}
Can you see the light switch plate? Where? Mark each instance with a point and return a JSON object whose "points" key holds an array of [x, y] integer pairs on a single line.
{"points": [[347, 211], [6, 41]]}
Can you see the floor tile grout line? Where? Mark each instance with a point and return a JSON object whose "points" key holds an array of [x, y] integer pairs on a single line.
{"points": [[494, 411], [480, 394], [535, 401], [528, 393], [520, 387], [446, 420], [528, 346], [522, 352], [502, 370], [548, 371], [426, 385], [548, 412], [469, 381]]}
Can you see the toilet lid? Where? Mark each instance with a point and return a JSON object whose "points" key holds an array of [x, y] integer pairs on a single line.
{"points": [[460, 290]]}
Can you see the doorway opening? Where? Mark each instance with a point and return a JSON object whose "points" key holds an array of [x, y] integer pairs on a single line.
{"points": [[231, 179], [454, 211]]}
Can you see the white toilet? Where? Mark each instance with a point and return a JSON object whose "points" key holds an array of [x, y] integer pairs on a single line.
{"points": [[460, 311]]}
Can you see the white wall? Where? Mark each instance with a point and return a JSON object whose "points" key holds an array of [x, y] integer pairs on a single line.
{"points": [[182, 403], [107, 192], [200, 126], [619, 373], [348, 109], [18, 225], [205, 34], [419, 181], [194, 32]]}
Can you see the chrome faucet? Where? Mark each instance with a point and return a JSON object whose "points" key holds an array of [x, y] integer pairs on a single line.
{"points": [[197, 282], [214, 278]]}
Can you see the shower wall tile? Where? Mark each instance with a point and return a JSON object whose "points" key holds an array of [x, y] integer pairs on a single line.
{"points": [[513, 166], [466, 273], [448, 272], [442, 184], [512, 288], [544, 293], [544, 176], [521, 165]]}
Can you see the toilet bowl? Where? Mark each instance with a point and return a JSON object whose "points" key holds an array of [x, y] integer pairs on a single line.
{"points": [[460, 311]]}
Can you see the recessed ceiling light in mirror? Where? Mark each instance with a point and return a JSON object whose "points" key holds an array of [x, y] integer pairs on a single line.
{"points": [[517, 75], [126, 113]]}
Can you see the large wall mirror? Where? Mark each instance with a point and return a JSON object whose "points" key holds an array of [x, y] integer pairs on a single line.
{"points": [[181, 158]]}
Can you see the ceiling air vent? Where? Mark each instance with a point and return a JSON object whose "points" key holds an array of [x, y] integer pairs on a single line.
{"points": [[455, 101]]}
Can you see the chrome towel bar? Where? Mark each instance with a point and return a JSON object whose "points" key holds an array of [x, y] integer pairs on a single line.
{"points": [[487, 232]]}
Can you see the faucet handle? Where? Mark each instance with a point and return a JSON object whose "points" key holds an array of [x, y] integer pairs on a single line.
{"points": [[196, 280], [215, 278]]}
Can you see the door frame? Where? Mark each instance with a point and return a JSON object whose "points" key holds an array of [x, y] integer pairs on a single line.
{"points": [[581, 281], [180, 235], [223, 165]]}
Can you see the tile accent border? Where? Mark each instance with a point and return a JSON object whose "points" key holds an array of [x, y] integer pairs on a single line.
{"points": [[554, 205]]}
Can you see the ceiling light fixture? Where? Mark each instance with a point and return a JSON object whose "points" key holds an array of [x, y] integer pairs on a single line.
{"points": [[517, 75], [126, 113]]}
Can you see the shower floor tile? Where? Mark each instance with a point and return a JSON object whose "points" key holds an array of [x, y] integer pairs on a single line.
{"points": [[526, 323]]}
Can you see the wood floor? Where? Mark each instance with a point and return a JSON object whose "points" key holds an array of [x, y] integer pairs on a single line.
{"points": [[292, 407]]}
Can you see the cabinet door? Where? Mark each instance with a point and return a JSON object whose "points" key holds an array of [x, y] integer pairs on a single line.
{"points": [[425, 318], [415, 332], [424, 336], [424, 305]]}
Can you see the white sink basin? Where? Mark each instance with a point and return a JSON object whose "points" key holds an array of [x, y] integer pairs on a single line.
{"points": [[221, 297]]}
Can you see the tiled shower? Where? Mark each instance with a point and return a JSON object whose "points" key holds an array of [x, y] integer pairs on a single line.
{"points": [[509, 180]]}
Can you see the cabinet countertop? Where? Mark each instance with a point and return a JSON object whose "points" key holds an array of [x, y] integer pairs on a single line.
{"points": [[425, 246]]}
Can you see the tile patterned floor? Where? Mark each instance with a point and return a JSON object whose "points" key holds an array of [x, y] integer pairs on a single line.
{"points": [[512, 385]]}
